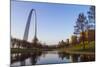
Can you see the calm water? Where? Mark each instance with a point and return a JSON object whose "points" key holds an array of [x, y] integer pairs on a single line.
{"points": [[47, 57]]}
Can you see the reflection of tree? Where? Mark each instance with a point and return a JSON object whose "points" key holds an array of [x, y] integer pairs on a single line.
{"points": [[85, 58], [21, 58], [74, 57], [35, 57], [63, 55], [22, 63]]}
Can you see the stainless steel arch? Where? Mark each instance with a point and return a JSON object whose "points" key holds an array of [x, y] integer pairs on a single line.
{"points": [[26, 33]]}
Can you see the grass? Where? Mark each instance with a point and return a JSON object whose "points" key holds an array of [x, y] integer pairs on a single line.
{"points": [[18, 50], [89, 48]]}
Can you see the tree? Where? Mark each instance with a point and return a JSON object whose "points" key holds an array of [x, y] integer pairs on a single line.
{"points": [[91, 17], [80, 26], [90, 23], [74, 40], [67, 42], [62, 44]]}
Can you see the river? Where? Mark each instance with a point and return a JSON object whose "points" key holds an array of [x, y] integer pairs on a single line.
{"points": [[48, 57]]}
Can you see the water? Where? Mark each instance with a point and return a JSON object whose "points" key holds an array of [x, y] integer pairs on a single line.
{"points": [[47, 57]]}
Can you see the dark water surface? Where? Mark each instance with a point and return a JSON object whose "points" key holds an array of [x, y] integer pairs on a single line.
{"points": [[48, 57]]}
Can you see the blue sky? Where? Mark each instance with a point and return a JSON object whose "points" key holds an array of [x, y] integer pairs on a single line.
{"points": [[55, 21]]}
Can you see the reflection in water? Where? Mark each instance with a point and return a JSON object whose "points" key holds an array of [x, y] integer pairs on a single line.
{"points": [[86, 58], [77, 57], [71, 57], [24, 58], [48, 57]]}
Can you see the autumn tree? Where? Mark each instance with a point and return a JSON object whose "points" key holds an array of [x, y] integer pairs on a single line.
{"points": [[74, 40], [80, 27]]}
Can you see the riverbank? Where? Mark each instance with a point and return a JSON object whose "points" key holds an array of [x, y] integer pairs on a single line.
{"points": [[78, 49], [39, 50], [18, 50], [28, 50], [78, 52]]}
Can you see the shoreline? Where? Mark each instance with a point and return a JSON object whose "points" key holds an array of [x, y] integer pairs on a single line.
{"points": [[36, 50], [80, 52]]}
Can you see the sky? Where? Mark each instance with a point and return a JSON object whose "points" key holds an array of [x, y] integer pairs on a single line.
{"points": [[55, 21]]}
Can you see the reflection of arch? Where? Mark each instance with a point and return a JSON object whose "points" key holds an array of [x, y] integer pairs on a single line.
{"points": [[28, 25]]}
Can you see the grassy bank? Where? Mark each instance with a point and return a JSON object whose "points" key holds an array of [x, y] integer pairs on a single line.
{"points": [[78, 48], [18, 50], [28, 50]]}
